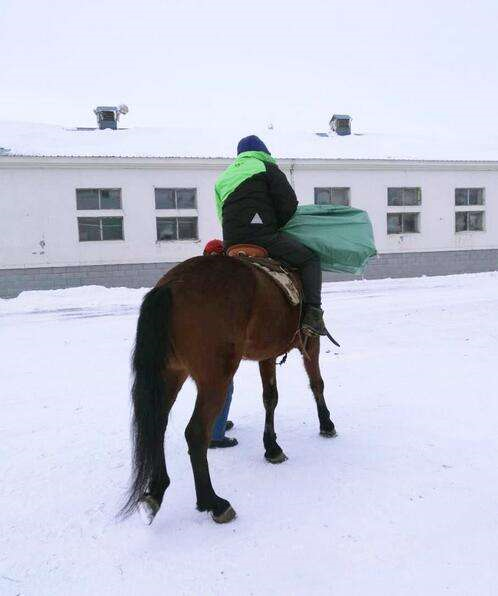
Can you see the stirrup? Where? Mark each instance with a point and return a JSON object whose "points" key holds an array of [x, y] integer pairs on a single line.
{"points": [[310, 332], [332, 339]]}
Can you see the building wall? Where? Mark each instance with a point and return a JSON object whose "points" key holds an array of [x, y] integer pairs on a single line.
{"points": [[437, 211], [38, 226], [143, 275]]}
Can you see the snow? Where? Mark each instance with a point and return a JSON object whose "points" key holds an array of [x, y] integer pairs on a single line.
{"points": [[25, 139], [403, 501]]}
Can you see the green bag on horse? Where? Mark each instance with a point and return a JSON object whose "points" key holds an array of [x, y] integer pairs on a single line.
{"points": [[342, 236]]}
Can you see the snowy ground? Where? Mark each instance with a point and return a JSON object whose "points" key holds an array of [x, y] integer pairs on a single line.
{"points": [[403, 502]]}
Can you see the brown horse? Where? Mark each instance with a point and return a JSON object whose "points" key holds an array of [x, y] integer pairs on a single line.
{"points": [[202, 318]]}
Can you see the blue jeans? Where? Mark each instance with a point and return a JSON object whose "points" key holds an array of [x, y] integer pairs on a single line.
{"points": [[221, 421]]}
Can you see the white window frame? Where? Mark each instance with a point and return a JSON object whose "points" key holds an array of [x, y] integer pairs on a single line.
{"points": [[100, 213], [468, 208], [177, 213], [100, 217], [100, 208], [177, 221], [468, 212], [332, 189], [403, 213], [403, 189], [175, 190], [405, 209], [473, 207]]}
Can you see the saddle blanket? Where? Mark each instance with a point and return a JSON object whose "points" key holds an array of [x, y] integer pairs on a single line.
{"points": [[279, 275]]}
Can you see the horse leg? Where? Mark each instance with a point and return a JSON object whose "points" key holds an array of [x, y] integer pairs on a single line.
{"points": [[312, 366], [273, 452], [210, 399], [159, 482]]}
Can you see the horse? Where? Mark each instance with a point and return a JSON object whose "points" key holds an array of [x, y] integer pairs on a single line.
{"points": [[200, 320]]}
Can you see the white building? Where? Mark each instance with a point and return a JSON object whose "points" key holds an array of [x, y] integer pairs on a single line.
{"points": [[118, 207]]}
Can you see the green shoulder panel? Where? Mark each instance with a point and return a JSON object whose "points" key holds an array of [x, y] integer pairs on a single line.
{"points": [[246, 165]]}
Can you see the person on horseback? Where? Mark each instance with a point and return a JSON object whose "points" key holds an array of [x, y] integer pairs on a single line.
{"points": [[254, 200]]}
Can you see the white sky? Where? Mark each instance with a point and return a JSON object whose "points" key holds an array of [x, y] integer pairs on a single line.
{"points": [[398, 66]]}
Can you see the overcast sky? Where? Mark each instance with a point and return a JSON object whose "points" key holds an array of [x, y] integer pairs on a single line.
{"points": [[398, 66]]}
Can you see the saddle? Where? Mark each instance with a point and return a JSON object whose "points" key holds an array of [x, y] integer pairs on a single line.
{"points": [[257, 256]]}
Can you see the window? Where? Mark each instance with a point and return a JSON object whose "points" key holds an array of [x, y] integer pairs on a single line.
{"points": [[402, 223], [98, 198], [181, 223], [331, 196], [176, 228], [100, 228], [402, 197], [398, 220], [469, 221], [176, 198], [469, 196]]}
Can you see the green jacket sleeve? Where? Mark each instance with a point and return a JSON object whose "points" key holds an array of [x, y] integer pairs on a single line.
{"points": [[218, 203]]}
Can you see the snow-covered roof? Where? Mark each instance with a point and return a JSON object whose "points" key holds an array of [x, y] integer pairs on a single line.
{"points": [[26, 139]]}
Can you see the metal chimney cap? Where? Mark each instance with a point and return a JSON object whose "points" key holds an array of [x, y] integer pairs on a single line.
{"points": [[341, 124], [99, 109], [336, 117], [108, 116]]}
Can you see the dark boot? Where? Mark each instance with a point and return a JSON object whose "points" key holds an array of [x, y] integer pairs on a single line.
{"points": [[312, 323], [223, 443]]}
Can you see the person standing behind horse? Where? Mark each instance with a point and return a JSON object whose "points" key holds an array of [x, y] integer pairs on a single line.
{"points": [[221, 424], [254, 200]]}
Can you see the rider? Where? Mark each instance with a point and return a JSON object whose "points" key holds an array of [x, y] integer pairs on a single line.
{"points": [[254, 200]]}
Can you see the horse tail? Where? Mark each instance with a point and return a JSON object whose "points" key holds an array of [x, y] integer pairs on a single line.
{"points": [[150, 404]]}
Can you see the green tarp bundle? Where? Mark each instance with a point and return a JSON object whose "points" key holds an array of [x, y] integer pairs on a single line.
{"points": [[342, 236]]}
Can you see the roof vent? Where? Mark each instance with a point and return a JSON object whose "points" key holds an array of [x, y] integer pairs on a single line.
{"points": [[108, 116], [341, 124]]}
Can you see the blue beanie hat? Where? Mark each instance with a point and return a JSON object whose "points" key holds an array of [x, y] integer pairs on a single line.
{"points": [[251, 143]]}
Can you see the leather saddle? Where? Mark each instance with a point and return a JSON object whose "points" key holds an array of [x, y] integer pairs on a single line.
{"points": [[258, 257], [247, 250]]}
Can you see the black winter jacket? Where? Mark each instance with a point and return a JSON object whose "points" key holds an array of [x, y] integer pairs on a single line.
{"points": [[258, 207]]}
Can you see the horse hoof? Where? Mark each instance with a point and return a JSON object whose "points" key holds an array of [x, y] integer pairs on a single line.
{"points": [[148, 507], [328, 433], [224, 517], [277, 459]]}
